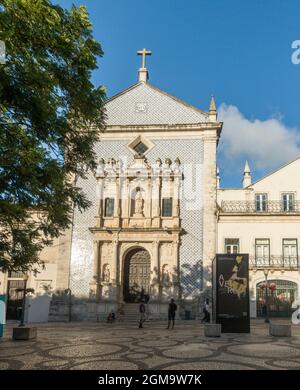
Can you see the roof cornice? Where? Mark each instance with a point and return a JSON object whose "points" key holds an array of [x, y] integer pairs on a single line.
{"points": [[177, 127]]}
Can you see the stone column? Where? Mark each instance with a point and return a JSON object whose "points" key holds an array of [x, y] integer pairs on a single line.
{"points": [[117, 268], [148, 203], [155, 277], [117, 212], [176, 189], [156, 201], [95, 280], [126, 202], [99, 216], [209, 210], [177, 269]]}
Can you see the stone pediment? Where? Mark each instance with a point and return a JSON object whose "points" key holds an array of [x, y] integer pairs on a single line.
{"points": [[144, 104]]}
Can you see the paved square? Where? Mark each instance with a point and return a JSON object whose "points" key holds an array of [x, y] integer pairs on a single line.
{"points": [[124, 346]]}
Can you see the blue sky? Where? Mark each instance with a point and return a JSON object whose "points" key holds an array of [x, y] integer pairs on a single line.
{"points": [[239, 51]]}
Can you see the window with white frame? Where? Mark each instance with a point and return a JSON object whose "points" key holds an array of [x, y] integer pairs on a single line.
{"points": [[262, 251], [232, 245], [288, 202], [261, 201], [290, 252]]}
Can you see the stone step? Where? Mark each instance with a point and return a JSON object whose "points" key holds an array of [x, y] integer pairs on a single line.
{"points": [[131, 312]]}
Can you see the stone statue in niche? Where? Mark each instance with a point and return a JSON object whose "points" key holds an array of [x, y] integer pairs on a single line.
{"points": [[166, 275], [106, 273], [139, 203]]}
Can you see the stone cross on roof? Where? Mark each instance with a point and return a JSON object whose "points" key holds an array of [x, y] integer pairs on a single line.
{"points": [[144, 53]]}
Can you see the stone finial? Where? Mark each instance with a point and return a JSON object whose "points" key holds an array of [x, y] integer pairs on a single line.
{"points": [[177, 164], [100, 167], [110, 167], [168, 162], [212, 110], [158, 162], [157, 166], [247, 175], [119, 165], [247, 167]]}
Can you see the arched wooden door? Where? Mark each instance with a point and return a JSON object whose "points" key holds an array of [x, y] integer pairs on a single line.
{"points": [[136, 275]]}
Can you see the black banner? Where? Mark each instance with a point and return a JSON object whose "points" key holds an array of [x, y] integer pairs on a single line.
{"points": [[134, 379], [231, 283]]}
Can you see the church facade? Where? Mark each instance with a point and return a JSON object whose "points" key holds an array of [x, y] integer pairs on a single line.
{"points": [[143, 238], [152, 193], [158, 218]]}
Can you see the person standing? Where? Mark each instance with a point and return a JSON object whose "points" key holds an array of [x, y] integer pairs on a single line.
{"points": [[142, 310], [171, 313], [206, 312]]}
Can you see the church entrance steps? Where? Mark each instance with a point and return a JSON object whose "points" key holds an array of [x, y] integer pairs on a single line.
{"points": [[131, 312]]}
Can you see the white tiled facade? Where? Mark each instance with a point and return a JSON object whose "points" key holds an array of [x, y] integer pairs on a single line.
{"points": [[171, 129], [144, 105]]}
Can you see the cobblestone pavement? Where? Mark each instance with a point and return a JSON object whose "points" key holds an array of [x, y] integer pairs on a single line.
{"points": [[124, 346]]}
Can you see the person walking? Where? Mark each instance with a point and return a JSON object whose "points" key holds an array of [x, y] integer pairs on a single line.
{"points": [[142, 310], [171, 313], [206, 312]]}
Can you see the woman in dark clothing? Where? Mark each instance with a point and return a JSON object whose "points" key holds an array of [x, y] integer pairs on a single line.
{"points": [[142, 310], [206, 312], [171, 313]]}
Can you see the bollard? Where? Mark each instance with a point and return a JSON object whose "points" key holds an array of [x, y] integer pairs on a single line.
{"points": [[280, 330], [2, 314], [212, 330]]}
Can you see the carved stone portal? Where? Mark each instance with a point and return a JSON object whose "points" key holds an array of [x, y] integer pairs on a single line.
{"points": [[137, 275]]}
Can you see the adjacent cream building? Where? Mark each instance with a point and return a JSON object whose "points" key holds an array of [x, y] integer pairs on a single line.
{"points": [[263, 219]]}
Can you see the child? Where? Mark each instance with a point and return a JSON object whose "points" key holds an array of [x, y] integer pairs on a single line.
{"points": [[111, 317]]}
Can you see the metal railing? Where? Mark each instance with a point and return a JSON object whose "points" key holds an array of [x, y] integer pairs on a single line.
{"points": [[274, 261], [270, 207]]}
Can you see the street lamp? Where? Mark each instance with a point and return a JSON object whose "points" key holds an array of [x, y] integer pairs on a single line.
{"points": [[25, 278], [266, 271]]}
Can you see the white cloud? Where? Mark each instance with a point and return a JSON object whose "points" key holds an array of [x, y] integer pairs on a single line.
{"points": [[266, 144]]}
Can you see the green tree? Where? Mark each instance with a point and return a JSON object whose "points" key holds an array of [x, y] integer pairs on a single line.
{"points": [[50, 118]]}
